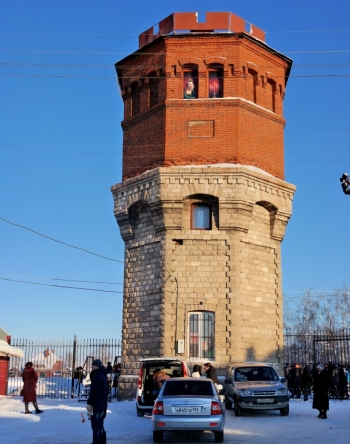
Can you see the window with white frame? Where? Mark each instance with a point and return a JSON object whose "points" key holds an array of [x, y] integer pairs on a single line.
{"points": [[201, 335]]}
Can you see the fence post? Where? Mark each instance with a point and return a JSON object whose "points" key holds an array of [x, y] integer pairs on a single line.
{"points": [[73, 364], [314, 341]]}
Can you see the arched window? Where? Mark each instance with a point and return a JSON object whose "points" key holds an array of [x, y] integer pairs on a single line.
{"points": [[215, 81], [153, 82], [200, 217], [272, 87], [190, 82], [135, 99], [201, 335], [253, 76]]}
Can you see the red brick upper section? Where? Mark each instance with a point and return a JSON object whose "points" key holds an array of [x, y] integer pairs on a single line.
{"points": [[245, 126]]}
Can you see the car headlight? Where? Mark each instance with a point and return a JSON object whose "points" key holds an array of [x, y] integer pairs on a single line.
{"points": [[282, 392], [244, 392]]}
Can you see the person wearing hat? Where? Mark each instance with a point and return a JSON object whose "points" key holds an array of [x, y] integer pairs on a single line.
{"points": [[30, 379], [210, 372], [109, 368], [320, 389], [96, 404]]}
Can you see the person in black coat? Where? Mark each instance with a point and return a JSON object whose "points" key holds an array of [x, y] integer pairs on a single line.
{"points": [[321, 388], [306, 382], [210, 372], [97, 401], [109, 368]]}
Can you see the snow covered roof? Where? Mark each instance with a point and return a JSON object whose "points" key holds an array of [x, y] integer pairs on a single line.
{"points": [[8, 350], [47, 359]]}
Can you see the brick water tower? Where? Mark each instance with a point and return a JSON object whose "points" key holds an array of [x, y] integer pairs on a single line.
{"points": [[203, 205]]}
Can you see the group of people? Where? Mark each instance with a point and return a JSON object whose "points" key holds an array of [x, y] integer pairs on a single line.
{"points": [[160, 376], [322, 380], [102, 379], [300, 380], [210, 372]]}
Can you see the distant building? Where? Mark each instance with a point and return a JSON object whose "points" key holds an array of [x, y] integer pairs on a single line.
{"points": [[47, 361], [203, 205]]}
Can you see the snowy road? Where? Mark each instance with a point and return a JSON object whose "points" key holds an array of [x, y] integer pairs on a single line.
{"points": [[61, 424]]}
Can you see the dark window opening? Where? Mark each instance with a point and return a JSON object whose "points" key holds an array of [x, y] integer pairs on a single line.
{"points": [[272, 85], [254, 78], [135, 100], [153, 89]]}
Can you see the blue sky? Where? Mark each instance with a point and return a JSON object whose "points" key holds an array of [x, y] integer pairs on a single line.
{"points": [[61, 147]]}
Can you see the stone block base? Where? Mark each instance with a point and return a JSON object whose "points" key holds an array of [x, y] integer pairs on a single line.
{"points": [[127, 385]]}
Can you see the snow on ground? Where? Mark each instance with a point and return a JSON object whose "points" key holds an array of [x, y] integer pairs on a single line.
{"points": [[61, 423]]}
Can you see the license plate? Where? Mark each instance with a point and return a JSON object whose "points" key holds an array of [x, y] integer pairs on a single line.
{"points": [[264, 401], [187, 409]]}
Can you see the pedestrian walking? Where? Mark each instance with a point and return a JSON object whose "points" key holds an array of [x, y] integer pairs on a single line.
{"points": [[114, 377], [30, 378], [321, 388], [96, 404], [78, 380]]}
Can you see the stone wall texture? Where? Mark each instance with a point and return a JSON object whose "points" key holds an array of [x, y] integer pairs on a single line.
{"points": [[232, 270]]}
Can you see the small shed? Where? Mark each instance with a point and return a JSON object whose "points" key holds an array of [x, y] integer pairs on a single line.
{"points": [[5, 352]]}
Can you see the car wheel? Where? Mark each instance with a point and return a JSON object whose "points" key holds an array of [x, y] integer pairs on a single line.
{"points": [[219, 436], [228, 404], [139, 412], [285, 411], [238, 409], [157, 436]]}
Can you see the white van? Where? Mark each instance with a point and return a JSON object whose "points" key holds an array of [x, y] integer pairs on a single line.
{"points": [[172, 366]]}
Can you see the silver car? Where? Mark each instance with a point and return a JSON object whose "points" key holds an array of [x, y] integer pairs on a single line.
{"points": [[188, 404], [255, 386]]}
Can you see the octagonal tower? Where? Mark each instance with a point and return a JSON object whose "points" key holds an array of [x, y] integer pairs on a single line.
{"points": [[203, 204]]}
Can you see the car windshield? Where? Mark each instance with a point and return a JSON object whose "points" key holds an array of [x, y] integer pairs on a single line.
{"points": [[255, 374], [188, 388]]}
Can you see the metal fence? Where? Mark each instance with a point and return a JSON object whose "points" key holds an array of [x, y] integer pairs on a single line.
{"points": [[56, 362], [313, 348]]}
